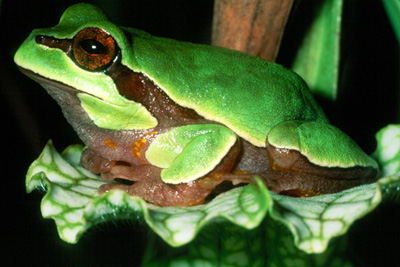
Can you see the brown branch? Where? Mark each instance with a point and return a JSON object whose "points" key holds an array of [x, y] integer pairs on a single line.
{"points": [[251, 26]]}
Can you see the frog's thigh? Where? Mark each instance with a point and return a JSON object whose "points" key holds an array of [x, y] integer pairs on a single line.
{"points": [[189, 152], [322, 143]]}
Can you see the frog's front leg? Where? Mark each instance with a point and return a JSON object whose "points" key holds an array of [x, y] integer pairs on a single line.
{"points": [[184, 165], [189, 152], [108, 169], [149, 186]]}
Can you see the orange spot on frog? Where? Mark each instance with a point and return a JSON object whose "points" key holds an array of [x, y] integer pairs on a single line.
{"points": [[110, 143], [139, 146]]}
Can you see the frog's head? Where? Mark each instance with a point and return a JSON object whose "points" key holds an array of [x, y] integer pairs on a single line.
{"points": [[78, 55]]}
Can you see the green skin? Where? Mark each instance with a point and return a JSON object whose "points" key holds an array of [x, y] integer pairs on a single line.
{"points": [[240, 97]]}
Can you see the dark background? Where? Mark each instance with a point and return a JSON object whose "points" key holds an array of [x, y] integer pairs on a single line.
{"points": [[368, 100]]}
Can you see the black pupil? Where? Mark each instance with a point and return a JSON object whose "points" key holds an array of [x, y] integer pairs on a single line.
{"points": [[92, 46]]}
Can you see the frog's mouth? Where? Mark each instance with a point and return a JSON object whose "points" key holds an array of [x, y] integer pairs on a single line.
{"points": [[66, 97], [52, 85]]}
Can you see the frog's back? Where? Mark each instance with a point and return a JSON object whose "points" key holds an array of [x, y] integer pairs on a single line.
{"points": [[248, 94]]}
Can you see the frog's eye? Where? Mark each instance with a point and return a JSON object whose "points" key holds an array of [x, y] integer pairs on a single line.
{"points": [[94, 49]]}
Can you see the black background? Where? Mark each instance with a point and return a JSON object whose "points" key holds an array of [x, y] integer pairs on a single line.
{"points": [[368, 100]]}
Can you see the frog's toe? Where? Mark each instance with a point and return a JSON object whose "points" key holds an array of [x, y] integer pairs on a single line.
{"points": [[125, 173], [159, 193], [91, 161]]}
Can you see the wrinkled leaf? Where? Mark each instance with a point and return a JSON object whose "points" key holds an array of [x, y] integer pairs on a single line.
{"points": [[315, 220], [317, 59], [270, 244], [72, 201], [69, 189]]}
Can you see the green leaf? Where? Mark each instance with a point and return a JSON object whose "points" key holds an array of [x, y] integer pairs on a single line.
{"points": [[179, 225], [393, 11], [387, 153], [317, 59], [223, 244], [69, 189], [315, 221], [73, 202]]}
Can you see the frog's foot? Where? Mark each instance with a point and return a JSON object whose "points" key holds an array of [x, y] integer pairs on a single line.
{"points": [[151, 188], [94, 163], [109, 169]]}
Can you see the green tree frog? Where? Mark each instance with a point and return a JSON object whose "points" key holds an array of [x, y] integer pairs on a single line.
{"points": [[173, 122]]}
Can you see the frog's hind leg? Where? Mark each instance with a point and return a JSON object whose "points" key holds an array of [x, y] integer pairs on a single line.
{"points": [[312, 158]]}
